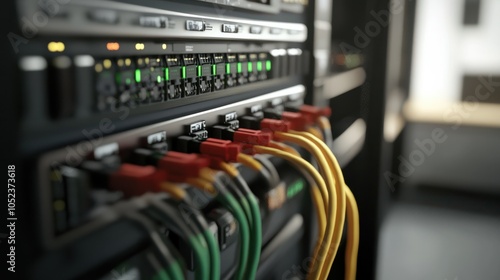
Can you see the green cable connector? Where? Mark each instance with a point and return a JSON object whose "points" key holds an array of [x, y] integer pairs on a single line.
{"points": [[199, 70], [295, 188], [183, 72], [167, 74], [250, 66], [239, 67], [214, 69], [268, 65], [137, 75], [228, 68], [259, 66]]}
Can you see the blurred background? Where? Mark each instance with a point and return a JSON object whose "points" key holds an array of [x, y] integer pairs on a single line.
{"points": [[440, 209]]}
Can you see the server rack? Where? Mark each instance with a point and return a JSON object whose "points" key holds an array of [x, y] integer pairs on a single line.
{"points": [[101, 78]]}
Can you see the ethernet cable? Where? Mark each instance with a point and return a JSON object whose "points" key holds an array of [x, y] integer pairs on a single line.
{"points": [[256, 236], [255, 165], [167, 213], [352, 210], [240, 196], [326, 130], [334, 227], [193, 169], [352, 246], [173, 269], [207, 182], [316, 132], [319, 248], [319, 205], [284, 147], [180, 194]]}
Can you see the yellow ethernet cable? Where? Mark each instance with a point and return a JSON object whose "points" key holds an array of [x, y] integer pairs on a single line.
{"points": [[328, 196], [353, 217], [336, 221]]}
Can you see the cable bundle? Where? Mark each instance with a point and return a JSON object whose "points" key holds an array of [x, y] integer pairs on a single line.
{"points": [[209, 167]]}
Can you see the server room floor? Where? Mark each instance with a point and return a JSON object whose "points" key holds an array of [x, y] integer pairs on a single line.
{"points": [[429, 242], [441, 226]]}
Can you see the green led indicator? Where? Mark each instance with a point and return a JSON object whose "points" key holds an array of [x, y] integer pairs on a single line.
{"points": [[228, 68], [167, 74], [250, 66], [183, 72], [259, 66], [268, 65], [118, 78], [158, 79], [199, 71], [128, 81], [239, 67], [295, 188], [214, 70], [138, 75]]}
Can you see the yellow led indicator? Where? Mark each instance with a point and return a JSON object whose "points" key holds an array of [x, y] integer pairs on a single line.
{"points": [[56, 47], [112, 46], [98, 68], [107, 63], [139, 46], [164, 46], [128, 62]]}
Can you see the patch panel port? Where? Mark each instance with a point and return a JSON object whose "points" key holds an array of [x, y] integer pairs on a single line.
{"points": [[190, 74], [205, 73], [219, 71], [125, 81], [173, 74]]}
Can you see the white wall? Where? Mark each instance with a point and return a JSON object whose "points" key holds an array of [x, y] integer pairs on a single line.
{"points": [[444, 49]]}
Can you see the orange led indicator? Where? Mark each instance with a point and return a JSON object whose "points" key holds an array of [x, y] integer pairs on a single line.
{"points": [[112, 46]]}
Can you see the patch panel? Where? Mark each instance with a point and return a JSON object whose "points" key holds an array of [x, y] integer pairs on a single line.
{"points": [[146, 80], [106, 84], [141, 146], [135, 162]]}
